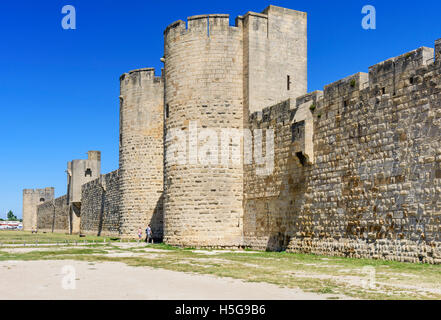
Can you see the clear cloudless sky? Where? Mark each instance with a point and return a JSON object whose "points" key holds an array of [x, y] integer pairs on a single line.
{"points": [[59, 88]]}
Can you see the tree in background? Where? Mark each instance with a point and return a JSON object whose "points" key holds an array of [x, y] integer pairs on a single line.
{"points": [[11, 216]]}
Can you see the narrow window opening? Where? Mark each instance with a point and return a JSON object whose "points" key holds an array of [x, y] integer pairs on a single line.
{"points": [[302, 158], [208, 27], [383, 90], [288, 82], [412, 80], [88, 173], [166, 111]]}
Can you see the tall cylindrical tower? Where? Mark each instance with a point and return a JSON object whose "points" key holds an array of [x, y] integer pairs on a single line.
{"points": [[141, 152], [203, 101]]}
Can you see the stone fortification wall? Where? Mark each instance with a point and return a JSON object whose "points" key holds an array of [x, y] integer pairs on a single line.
{"points": [[373, 187], [273, 198], [53, 216], [100, 214]]}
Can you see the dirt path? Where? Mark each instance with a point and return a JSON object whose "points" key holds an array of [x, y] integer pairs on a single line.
{"points": [[113, 280]]}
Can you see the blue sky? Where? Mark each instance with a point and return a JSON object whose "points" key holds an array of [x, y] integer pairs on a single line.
{"points": [[59, 88]]}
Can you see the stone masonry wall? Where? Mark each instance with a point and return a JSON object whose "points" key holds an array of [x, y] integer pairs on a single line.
{"points": [[100, 214], [373, 188], [53, 216], [272, 201]]}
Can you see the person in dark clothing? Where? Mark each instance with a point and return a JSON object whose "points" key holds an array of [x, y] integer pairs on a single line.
{"points": [[149, 234]]}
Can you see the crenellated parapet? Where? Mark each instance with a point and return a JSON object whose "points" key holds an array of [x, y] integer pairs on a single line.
{"points": [[204, 26], [140, 77], [389, 76]]}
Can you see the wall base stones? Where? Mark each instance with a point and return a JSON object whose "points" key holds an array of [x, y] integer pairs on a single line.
{"points": [[207, 243], [385, 249]]}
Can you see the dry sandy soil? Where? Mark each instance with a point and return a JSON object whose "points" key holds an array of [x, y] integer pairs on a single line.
{"points": [[114, 280]]}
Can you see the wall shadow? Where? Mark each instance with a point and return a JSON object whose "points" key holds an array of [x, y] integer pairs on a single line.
{"points": [[157, 220], [101, 215], [286, 215], [278, 242]]}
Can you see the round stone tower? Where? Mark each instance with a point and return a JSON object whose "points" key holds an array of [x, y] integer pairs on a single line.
{"points": [[141, 152], [203, 104]]}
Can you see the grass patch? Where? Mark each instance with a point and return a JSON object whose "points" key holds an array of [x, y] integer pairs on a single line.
{"points": [[17, 237]]}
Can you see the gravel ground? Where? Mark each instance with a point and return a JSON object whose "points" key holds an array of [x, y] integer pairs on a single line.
{"points": [[113, 280]]}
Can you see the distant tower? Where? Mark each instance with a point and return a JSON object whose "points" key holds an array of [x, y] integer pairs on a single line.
{"points": [[31, 199], [215, 76], [80, 172], [141, 151]]}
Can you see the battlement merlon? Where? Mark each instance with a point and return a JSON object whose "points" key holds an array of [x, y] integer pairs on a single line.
{"points": [[312, 97], [94, 155], [285, 110], [285, 11], [48, 190], [400, 65], [346, 86]]}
